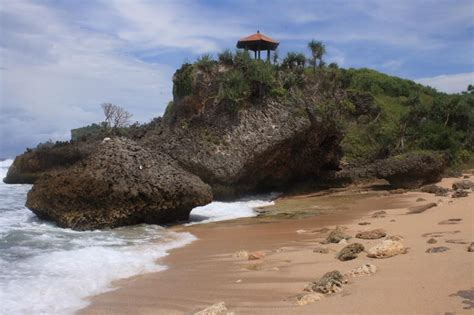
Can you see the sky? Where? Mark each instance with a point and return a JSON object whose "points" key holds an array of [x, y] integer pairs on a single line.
{"points": [[61, 59]]}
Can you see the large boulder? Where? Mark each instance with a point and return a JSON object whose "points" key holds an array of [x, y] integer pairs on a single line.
{"points": [[262, 147], [47, 158], [120, 184], [410, 170]]}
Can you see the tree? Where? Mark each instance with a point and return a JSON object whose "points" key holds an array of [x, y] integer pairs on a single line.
{"points": [[115, 116], [317, 52]]}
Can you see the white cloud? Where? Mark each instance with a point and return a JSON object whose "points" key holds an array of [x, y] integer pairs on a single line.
{"points": [[54, 75], [449, 83]]}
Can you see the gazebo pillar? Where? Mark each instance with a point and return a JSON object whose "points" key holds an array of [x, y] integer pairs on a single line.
{"points": [[268, 54]]}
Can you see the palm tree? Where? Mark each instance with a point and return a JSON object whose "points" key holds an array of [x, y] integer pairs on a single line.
{"points": [[317, 51]]}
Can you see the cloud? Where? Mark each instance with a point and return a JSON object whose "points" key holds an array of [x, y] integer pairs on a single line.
{"points": [[449, 83], [61, 59], [54, 76]]}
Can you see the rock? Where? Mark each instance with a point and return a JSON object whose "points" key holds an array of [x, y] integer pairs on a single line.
{"points": [[471, 248], [238, 152], [434, 189], [106, 139], [301, 231], [456, 241], [256, 255], [364, 223], [343, 242], [308, 298], [406, 171], [432, 241], [215, 309], [466, 176], [330, 282], [450, 221], [422, 208], [366, 269], [463, 185], [379, 214], [411, 170], [459, 194], [386, 249], [28, 167], [108, 190], [241, 254], [321, 250], [335, 236], [397, 238], [439, 249], [420, 199], [372, 234], [350, 251]]}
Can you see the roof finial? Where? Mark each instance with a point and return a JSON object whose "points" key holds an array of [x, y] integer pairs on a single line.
{"points": [[258, 31]]}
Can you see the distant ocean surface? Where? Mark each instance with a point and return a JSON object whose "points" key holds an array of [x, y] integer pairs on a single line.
{"points": [[48, 270]]}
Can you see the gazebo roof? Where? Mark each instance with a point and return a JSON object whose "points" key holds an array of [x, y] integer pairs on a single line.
{"points": [[257, 41]]}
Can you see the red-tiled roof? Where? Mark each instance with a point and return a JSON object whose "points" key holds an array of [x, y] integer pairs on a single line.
{"points": [[257, 42], [258, 36]]}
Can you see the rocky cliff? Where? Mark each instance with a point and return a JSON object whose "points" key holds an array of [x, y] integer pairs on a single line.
{"points": [[230, 130], [121, 183]]}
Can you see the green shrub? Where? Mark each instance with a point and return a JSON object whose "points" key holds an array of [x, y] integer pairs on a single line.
{"points": [[233, 89], [205, 62], [242, 59], [183, 81], [226, 57], [169, 110]]}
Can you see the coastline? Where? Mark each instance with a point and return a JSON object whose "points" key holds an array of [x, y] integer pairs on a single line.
{"points": [[206, 271]]}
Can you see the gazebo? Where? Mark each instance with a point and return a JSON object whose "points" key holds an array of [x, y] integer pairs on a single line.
{"points": [[258, 42]]}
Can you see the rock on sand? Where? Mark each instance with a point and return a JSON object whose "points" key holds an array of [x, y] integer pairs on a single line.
{"points": [[386, 249], [372, 234]]}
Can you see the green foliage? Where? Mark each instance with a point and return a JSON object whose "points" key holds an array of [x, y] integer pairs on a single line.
{"points": [[205, 62], [170, 108], [93, 131], [317, 52], [242, 59], [379, 83], [294, 61], [261, 76], [234, 88], [226, 57], [183, 81]]}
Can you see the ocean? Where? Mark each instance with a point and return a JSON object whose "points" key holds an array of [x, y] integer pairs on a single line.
{"points": [[49, 270]]}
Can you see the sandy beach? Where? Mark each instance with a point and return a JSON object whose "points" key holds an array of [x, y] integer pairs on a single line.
{"points": [[209, 271]]}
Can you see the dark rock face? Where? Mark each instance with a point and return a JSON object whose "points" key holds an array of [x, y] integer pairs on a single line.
{"points": [[337, 235], [31, 165], [350, 251], [439, 249], [434, 189], [407, 171], [372, 234], [463, 185], [263, 147], [120, 184], [459, 194], [330, 282]]}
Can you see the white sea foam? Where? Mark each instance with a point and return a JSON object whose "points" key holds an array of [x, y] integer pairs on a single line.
{"points": [[222, 211], [48, 270]]}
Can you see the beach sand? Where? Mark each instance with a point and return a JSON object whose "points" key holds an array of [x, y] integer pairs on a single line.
{"points": [[208, 271]]}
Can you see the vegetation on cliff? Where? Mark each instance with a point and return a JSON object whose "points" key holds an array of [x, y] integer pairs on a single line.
{"points": [[380, 115]]}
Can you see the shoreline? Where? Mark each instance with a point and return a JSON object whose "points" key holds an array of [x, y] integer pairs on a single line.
{"points": [[206, 271]]}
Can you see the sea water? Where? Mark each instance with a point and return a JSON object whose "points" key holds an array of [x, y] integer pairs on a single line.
{"points": [[49, 270]]}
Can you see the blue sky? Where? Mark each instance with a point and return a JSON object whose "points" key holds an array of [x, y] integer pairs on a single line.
{"points": [[61, 59]]}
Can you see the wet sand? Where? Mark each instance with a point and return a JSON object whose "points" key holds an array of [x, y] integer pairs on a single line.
{"points": [[207, 271]]}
